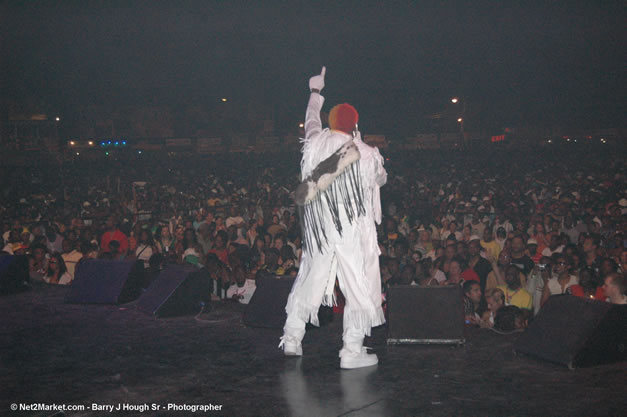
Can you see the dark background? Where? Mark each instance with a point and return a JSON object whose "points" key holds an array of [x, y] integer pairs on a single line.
{"points": [[542, 63]]}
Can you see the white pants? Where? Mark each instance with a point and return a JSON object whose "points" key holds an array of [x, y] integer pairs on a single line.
{"points": [[354, 258]]}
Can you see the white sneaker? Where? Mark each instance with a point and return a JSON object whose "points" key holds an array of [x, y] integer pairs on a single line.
{"points": [[291, 346], [361, 359]]}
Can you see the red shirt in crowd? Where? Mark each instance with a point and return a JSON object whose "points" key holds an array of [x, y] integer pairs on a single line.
{"points": [[115, 235], [470, 275], [577, 291]]}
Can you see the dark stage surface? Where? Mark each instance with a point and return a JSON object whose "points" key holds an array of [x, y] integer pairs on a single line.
{"points": [[56, 353]]}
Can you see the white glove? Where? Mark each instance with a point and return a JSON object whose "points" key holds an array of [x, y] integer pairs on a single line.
{"points": [[317, 81]]}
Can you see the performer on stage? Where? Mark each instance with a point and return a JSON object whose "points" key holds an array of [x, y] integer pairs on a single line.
{"points": [[339, 203]]}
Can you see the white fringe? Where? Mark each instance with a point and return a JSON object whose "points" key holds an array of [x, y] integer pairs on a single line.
{"points": [[362, 319], [305, 312], [329, 300]]}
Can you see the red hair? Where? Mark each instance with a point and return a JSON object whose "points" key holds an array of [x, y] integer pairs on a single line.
{"points": [[344, 118]]}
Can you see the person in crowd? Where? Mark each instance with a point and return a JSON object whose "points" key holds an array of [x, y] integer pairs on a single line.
{"points": [[38, 262], [495, 299], [165, 243], [57, 272], [472, 300], [243, 285], [590, 247], [144, 249], [515, 293], [480, 265], [113, 233], [615, 288], [71, 255], [510, 318], [519, 256], [203, 236], [562, 278], [496, 276], [276, 226], [501, 237], [433, 275], [454, 276], [492, 248], [537, 279], [555, 246], [450, 252], [220, 247], [608, 266], [234, 219], [424, 244], [589, 286], [532, 250]]}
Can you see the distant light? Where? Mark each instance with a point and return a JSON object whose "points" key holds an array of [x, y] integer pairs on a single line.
{"points": [[123, 142], [550, 141], [117, 143], [72, 143], [459, 120], [109, 143], [107, 153], [90, 143], [78, 153], [139, 152], [568, 140], [57, 118], [301, 125], [224, 99], [102, 144], [454, 100]]}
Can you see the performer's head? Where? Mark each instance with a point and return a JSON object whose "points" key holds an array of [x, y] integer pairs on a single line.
{"points": [[344, 118]]}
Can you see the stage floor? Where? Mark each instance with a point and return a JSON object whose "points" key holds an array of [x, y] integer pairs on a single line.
{"points": [[56, 353]]}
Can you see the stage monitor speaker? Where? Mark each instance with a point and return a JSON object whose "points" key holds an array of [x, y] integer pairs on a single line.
{"points": [[177, 291], [425, 315], [14, 275], [106, 282], [266, 308], [576, 332]]}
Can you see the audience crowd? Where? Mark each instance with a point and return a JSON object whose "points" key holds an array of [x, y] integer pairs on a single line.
{"points": [[511, 227]]}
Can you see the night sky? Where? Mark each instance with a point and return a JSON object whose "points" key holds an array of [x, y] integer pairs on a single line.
{"points": [[561, 63]]}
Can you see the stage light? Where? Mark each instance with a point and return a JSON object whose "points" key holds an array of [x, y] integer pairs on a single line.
{"points": [[459, 120], [224, 99], [78, 153], [123, 142], [90, 143], [454, 100], [72, 143], [57, 118], [301, 125]]}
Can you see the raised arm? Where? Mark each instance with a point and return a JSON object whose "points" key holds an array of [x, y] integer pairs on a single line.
{"points": [[313, 125]]}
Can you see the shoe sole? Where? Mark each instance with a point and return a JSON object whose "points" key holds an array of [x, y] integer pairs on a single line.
{"points": [[358, 365]]}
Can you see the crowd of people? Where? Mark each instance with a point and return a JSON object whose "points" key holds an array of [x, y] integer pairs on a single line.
{"points": [[511, 227]]}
